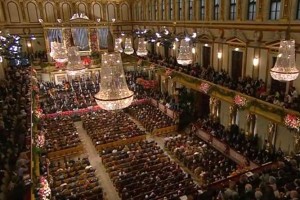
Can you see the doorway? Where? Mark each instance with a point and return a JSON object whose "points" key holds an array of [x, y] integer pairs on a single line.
{"points": [[206, 56], [236, 65]]}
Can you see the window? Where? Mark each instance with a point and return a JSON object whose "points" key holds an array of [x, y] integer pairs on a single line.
{"points": [[298, 10], [275, 9], [232, 10], [179, 9], [251, 9], [163, 9], [201, 9], [171, 9], [216, 9], [191, 4]]}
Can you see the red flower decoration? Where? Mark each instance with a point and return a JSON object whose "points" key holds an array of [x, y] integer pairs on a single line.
{"points": [[292, 122]]}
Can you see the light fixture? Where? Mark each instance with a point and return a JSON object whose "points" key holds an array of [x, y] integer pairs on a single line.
{"points": [[255, 61], [1, 59], [99, 20], [28, 44], [118, 46], [194, 35], [128, 47], [142, 51], [185, 56], [114, 93], [219, 55], [59, 52], [285, 67], [158, 44], [193, 50], [206, 45], [174, 46], [75, 65], [236, 49]]}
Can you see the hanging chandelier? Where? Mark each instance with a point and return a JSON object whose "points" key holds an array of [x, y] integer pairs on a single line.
{"points": [[128, 47], [114, 93], [185, 56], [75, 65], [142, 51], [285, 67], [118, 45], [59, 52]]}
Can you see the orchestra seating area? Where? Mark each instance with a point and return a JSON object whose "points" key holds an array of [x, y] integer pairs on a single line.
{"points": [[74, 179], [142, 171]]}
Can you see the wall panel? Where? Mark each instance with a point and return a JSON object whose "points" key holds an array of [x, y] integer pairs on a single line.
{"points": [[49, 12], [32, 11], [13, 12]]}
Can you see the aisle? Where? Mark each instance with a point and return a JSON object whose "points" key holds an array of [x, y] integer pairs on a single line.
{"points": [[108, 188]]}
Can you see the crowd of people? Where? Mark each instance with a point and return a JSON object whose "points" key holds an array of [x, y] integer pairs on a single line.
{"points": [[150, 117], [236, 139], [60, 133], [281, 182], [14, 129], [73, 95], [204, 161], [105, 127], [74, 179], [142, 171], [250, 86]]}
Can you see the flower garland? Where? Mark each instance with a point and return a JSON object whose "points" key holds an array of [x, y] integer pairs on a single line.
{"points": [[240, 101], [292, 122], [38, 113], [44, 190], [204, 87]]}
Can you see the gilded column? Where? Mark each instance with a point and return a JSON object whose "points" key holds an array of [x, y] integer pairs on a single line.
{"points": [[57, 7], [259, 10], [222, 12], [40, 5], [23, 11], [286, 10], [239, 10], [208, 10]]}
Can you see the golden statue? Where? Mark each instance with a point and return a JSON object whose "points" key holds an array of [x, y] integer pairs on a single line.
{"points": [[297, 143]]}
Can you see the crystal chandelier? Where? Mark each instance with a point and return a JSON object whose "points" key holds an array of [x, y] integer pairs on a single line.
{"points": [[118, 46], [128, 47], [75, 65], [142, 51], [59, 52], [285, 67], [114, 93], [185, 56]]}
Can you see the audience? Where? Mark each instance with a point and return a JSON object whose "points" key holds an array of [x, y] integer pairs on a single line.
{"points": [[14, 129], [150, 117], [247, 85], [236, 139], [74, 179], [142, 171], [60, 133], [205, 162]]}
